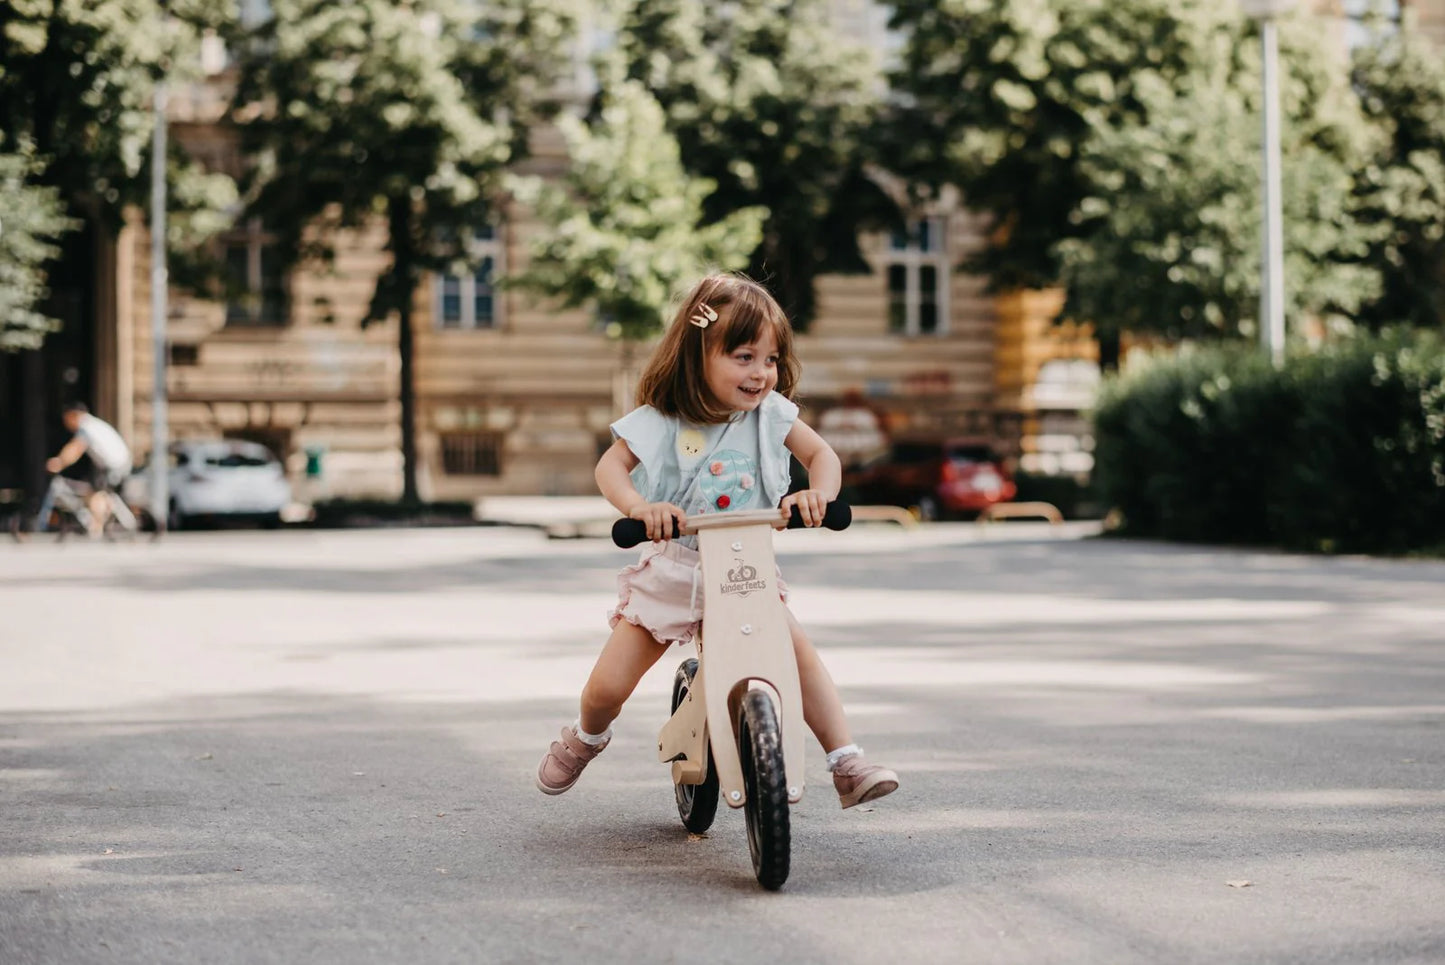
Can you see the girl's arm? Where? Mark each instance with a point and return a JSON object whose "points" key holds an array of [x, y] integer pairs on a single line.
{"points": [[613, 475], [825, 474]]}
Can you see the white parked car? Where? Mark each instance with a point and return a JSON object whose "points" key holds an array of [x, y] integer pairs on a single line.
{"points": [[219, 478]]}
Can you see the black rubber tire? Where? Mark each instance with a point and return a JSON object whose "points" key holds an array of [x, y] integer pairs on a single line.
{"points": [[765, 782], [696, 803]]}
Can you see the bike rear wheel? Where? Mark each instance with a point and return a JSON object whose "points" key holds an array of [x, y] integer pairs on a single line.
{"points": [[696, 803], [765, 782]]}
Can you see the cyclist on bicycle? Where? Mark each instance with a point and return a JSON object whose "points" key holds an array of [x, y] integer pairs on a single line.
{"points": [[110, 459]]}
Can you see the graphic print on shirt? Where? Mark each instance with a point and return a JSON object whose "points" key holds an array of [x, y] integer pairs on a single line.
{"points": [[729, 480], [690, 443]]}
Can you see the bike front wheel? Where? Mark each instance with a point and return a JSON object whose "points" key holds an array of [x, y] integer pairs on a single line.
{"points": [[696, 803], [765, 782]]}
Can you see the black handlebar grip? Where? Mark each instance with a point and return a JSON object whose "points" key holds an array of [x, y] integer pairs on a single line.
{"points": [[836, 516], [627, 533]]}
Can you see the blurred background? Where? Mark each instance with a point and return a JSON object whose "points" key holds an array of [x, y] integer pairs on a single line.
{"points": [[416, 249]]}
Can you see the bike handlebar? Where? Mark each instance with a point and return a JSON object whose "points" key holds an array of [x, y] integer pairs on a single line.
{"points": [[627, 533]]}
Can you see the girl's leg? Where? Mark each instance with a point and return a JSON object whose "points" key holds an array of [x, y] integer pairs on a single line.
{"points": [[822, 707], [855, 780], [629, 653]]}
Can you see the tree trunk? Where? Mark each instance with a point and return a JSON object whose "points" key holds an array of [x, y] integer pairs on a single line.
{"points": [[409, 493], [1108, 350], [777, 267], [404, 273], [34, 411], [624, 380]]}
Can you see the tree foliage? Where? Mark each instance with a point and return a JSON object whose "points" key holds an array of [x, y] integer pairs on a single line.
{"points": [[1400, 77], [1169, 231], [779, 112], [1001, 95], [31, 220], [77, 82], [624, 225], [401, 114], [1116, 144]]}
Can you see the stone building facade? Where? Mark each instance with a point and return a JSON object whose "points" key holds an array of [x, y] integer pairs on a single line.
{"points": [[513, 395]]}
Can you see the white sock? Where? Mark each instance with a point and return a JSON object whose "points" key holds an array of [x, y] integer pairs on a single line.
{"points": [[591, 739], [847, 750]]}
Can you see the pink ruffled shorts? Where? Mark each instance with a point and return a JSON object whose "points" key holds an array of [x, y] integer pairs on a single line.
{"points": [[662, 593]]}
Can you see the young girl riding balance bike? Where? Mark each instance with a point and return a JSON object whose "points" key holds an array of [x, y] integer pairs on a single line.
{"points": [[712, 433]]}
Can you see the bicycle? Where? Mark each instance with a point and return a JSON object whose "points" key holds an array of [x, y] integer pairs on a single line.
{"points": [[736, 732], [64, 508]]}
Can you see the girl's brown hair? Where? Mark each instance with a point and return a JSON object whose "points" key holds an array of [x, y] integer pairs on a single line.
{"points": [[673, 381]]}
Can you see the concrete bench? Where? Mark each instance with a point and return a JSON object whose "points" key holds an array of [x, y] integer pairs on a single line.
{"points": [[1040, 510], [884, 514]]}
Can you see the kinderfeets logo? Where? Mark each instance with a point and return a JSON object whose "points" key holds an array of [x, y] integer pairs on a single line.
{"points": [[743, 579]]}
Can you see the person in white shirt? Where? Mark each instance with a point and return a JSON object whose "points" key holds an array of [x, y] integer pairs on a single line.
{"points": [[110, 457]]}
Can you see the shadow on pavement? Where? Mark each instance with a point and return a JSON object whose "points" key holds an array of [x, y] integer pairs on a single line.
{"points": [[289, 826]]}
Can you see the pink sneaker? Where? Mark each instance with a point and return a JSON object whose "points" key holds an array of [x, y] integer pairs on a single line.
{"points": [[857, 781], [565, 759]]}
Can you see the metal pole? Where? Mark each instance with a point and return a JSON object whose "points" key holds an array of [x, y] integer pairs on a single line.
{"points": [[1271, 296], [160, 463]]}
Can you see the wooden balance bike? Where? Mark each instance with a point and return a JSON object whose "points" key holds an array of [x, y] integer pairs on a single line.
{"points": [[737, 730]]}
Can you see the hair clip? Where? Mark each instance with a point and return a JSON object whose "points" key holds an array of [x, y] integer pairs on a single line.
{"points": [[706, 315]]}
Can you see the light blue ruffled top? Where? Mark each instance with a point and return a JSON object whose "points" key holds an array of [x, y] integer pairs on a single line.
{"points": [[740, 464]]}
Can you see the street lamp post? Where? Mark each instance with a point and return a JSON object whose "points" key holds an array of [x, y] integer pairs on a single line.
{"points": [[160, 498], [1271, 295]]}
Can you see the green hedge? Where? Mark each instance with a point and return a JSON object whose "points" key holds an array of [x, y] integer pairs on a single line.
{"points": [[1074, 496], [1342, 450]]}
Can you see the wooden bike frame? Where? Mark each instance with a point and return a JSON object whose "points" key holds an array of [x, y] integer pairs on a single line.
{"points": [[744, 641]]}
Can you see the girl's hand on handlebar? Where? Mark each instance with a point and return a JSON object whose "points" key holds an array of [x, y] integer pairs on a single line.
{"points": [[811, 504], [658, 517]]}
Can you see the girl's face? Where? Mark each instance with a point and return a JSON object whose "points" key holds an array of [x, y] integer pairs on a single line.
{"points": [[739, 379]]}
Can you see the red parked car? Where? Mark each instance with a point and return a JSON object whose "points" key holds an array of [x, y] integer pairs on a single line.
{"points": [[940, 478]]}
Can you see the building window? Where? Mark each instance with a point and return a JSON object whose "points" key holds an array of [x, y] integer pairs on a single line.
{"points": [[470, 300], [471, 453], [184, 354], [255, 279], [917, 275]]}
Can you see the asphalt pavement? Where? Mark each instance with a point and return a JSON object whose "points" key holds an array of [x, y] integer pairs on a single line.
{"points": [[310, 746]]}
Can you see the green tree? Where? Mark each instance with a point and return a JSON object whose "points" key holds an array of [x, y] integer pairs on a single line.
{"points": [[1115, 145], [1401, 80], [398, 113], [625, 234], [1169, 233], [77, 80], [778, 111], [1000, 95], [31, 219]]}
